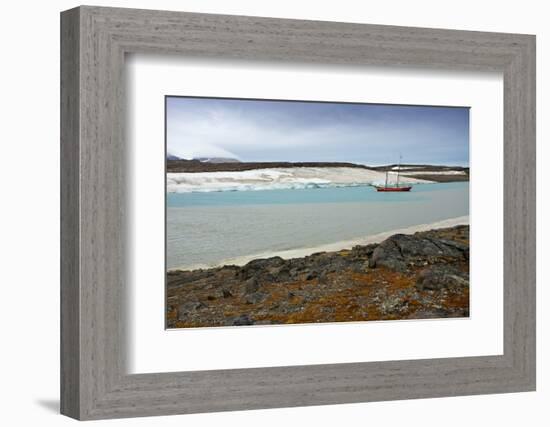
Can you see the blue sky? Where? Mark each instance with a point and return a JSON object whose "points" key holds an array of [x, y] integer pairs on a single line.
{"points": [[372, 134]]}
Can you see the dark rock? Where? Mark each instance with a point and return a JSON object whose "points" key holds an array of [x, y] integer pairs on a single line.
{"points": [[297, 264], [360, 267], [256, 298], [293, 273], [252, 285], [279, 274], [319, 260], [243, 320], [337, 264], [441, 277], [363, 251], [312, 275], [263, 322], [392, 304], [226, 293], [412, 246], [267, 268], [435, 313], [388, 255], [399, 250], [264, 263], [188, 308]]}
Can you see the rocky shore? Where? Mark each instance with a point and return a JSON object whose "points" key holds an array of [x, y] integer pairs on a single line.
{"points": [[418, 276]]}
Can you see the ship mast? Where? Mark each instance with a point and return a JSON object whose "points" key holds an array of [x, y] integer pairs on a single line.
{"points": [[398, 169]]}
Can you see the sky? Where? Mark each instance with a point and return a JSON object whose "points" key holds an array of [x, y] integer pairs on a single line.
{"points": [[371, 134]]}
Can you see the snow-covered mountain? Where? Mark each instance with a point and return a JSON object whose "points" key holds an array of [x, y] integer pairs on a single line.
{"points": [[217, 160], [171, 157]]}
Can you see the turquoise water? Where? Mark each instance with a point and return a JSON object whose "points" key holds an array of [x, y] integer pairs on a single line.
{"points": [[309, 195], [206, 228]]}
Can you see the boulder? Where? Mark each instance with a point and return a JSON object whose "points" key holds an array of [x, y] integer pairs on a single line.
{"points": [[337, 264], [400, 250], [392, 304], [312, 275], [293, 273], [360, 266], [362, 251], [188, 308], [434, 313], [242, 320], [280, 273], [256, 298], [266, 268], [263, 264], [251, 285], [441, 276]]}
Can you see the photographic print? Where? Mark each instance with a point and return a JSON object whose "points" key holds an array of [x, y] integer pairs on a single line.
{"points": [[296, 212]]}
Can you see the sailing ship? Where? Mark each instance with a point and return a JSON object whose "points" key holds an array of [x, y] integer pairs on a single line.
{"points": [[393, 188]]}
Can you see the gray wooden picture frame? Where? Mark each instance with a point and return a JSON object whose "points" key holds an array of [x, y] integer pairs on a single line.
{"points": [[94, 381]]}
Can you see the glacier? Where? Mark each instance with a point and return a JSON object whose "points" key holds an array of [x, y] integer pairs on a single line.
{"points": [[279, 178]]}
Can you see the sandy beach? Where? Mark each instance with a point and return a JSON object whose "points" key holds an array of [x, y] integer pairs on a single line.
{"points": [[331, 247]]}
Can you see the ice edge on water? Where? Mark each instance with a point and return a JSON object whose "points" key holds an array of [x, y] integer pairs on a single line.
{"points": [[279, 179]]}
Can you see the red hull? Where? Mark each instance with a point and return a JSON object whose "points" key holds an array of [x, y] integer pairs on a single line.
{"points": [[393, 189]]}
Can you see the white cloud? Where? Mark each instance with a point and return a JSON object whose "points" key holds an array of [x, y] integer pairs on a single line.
{"points": [[262, 134]]}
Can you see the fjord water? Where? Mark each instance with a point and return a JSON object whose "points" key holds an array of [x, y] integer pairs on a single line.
{"points": [[207, 228]]}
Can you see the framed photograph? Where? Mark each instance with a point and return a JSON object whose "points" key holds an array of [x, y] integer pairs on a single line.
{"points": [[285, 212], [262, 213]]}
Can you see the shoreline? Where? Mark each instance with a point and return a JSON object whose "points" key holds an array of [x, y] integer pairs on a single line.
{"points": [[424, 275], [329, 247]]}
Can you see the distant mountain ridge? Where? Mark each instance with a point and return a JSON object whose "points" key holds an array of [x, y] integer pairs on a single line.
{"points": [[171, 157], [233, 165], [217, 160]]}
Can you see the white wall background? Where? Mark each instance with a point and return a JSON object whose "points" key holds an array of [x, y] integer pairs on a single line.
{"points": [[29, 212]]}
